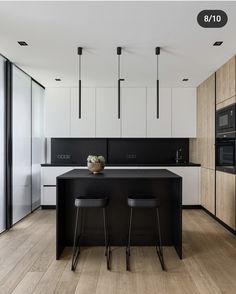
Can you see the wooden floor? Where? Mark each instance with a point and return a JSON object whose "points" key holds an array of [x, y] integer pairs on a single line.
{"points": [[28, 265]]}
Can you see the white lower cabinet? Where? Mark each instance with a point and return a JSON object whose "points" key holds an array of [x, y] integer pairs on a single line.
{"points": [[48, 182], [190, 184], [48, 196]]}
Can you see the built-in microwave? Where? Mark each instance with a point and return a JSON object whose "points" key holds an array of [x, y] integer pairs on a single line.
{"points": [[225, 155], [225, 122]]}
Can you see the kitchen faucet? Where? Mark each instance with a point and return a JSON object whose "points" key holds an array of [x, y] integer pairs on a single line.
{"points": [[178, 156]]}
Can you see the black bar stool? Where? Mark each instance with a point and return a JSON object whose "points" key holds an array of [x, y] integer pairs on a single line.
{"points": [[145, 202], [89, 202]]}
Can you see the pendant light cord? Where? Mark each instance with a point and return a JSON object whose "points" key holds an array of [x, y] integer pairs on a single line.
{"points": [[118, 66]]}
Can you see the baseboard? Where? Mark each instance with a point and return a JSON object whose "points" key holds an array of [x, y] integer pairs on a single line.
{"points": [[219, 221], [48, 206], [196, 206]]}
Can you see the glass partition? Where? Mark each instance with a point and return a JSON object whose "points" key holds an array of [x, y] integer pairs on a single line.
{"points": [[21, 144], [2, 147]]}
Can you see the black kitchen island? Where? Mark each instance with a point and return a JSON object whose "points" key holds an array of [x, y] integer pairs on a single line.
{"points": [[118, 184]]}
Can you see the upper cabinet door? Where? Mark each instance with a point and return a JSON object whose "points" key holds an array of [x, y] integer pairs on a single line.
{"points": [[85, 126], [107, 122], [225, 81], [184, 112], [161, 127], [133, 112], [57, 105]]}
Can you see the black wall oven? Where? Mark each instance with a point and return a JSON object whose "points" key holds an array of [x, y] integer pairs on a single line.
{"points": [[225, 155], [225, 122], [226, 139]]}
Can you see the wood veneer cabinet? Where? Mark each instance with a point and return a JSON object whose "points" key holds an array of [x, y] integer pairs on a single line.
{"points": [[202, 149], [208, 189], [225, 81], [225, 198]]}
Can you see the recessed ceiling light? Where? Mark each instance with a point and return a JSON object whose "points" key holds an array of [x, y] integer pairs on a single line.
{"points": [[22, 43], [57, 79], [185, 80], [218, 43]]}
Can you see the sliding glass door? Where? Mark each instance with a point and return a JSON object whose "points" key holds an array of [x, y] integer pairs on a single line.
{"points": [[2, 147], [21, 144]]}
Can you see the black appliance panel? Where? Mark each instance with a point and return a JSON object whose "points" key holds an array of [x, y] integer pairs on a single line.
{"points": [[76, 150], [146, 151], [225, 122], [225, 155]]}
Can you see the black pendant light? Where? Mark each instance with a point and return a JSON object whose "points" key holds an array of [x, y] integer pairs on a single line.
{"points": [[119, 51], [80, 50], [157, 54]]}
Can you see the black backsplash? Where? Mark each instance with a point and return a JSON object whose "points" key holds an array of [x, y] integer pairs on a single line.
{"points": [[119, 151], [76, 150]]}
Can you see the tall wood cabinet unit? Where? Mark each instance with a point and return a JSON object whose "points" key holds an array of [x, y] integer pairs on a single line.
{"points": [[208, 189], [225, 182], [225, 83], [202, 149], [225, 198]]}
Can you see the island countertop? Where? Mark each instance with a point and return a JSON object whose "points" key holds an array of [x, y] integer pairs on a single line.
{"points": [[119, 173]]}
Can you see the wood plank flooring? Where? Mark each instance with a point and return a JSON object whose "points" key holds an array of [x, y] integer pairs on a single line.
{"points": [[28, 265]]}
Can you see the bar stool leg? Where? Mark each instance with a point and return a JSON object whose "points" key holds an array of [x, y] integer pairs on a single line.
{"points": [[129, 238], [159, 248], [107, 252], [76, 247]]}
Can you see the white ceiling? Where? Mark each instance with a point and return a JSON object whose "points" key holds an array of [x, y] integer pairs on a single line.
{"points": [[54, 30]]}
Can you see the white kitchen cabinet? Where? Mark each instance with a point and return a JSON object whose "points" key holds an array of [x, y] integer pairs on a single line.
{"points": [[107, 122], [184, 112], [133, 112], [48, 182], [160, 127], [49, 196], [85, 126], [190, 183], [57, 109]]}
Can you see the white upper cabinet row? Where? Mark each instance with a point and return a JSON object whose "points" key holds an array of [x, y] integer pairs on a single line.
{"points": [[99, 113]]}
